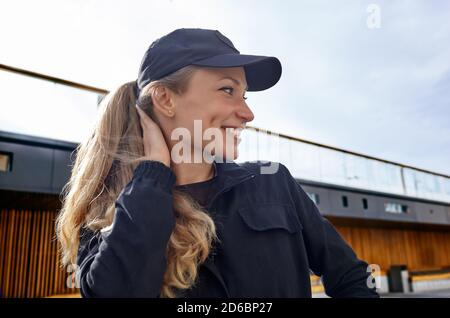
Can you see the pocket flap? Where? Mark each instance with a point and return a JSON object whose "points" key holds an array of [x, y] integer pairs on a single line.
{"points": [[267, 216]]}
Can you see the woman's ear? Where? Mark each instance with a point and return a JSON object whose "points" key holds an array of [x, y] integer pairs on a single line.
{"points": [[163, 101]]}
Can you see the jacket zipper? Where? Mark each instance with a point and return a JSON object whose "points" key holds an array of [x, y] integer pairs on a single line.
{"points": [[226, 189], [210, 264]]}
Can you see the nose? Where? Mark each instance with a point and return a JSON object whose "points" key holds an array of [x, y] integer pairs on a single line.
{"points": [[245, 112]]}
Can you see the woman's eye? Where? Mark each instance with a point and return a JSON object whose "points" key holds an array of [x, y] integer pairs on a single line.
{"points": [[231, 89]]}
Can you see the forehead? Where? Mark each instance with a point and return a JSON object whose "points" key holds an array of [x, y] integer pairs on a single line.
{"points": [[213, 75]]}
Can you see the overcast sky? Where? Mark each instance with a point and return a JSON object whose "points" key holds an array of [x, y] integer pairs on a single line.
{"points": [[380, 91]]}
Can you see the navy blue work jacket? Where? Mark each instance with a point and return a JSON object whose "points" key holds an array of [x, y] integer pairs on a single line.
{"points": [[271, 235]]}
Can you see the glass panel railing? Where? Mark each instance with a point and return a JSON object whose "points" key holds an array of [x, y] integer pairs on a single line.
{"points": [[426, 185], [309, 161]]}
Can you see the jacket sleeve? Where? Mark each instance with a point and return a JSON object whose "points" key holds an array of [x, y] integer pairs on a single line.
{"points": [[128, 259], [329, 256]]}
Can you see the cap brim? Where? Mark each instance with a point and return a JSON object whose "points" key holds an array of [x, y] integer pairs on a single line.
{"points": [[261, 72]]}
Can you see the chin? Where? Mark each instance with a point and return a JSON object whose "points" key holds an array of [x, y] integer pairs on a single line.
{"points": [[228, 155]]}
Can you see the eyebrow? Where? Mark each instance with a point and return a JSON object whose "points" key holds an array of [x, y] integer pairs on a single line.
{"points": [[234, 80]]}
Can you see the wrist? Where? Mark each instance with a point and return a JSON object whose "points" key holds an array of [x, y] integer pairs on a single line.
{"points": [[163, 161]]}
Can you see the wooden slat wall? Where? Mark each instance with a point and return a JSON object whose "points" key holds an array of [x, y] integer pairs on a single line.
{"points": [[419, 249], [30, 264]]}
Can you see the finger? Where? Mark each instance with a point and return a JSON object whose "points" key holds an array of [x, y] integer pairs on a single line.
{"points": [[142, 116], [145, 119]]}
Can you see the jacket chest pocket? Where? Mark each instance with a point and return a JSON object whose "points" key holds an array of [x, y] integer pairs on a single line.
{"points": [[271, 217], [266, 242]]}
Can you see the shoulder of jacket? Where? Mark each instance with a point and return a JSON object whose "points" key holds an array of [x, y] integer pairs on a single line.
{"points": [[259, 167]]}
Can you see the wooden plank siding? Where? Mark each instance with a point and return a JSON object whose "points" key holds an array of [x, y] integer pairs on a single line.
{"points": [[30, 267], [418, 249]]}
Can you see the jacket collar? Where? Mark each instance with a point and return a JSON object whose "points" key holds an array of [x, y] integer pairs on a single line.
{"points": [[229, 174]]}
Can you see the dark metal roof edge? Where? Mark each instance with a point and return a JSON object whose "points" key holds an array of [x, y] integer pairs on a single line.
{"points": [[31, 140], [367, 191]]}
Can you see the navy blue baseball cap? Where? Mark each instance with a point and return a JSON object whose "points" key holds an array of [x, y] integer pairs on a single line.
{"points": [[204, 47]]}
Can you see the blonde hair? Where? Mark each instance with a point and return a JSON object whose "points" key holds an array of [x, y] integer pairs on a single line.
{"points": [[105, 163]]}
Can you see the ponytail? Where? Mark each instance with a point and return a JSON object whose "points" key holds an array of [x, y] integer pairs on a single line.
{"points": [[105, 164]]}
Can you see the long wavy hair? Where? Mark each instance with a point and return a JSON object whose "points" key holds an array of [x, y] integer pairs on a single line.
{"points": [[105, 163]]}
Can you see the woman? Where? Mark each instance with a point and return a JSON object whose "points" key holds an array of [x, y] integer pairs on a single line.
{"points": [[142, 216]]}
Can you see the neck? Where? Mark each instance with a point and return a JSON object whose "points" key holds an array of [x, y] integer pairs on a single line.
{"points": [[193, 172], [188, 173]]}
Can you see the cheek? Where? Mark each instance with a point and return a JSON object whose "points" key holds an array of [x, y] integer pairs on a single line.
{"points": [[211, 110], [220, 114], [188, 110]]}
